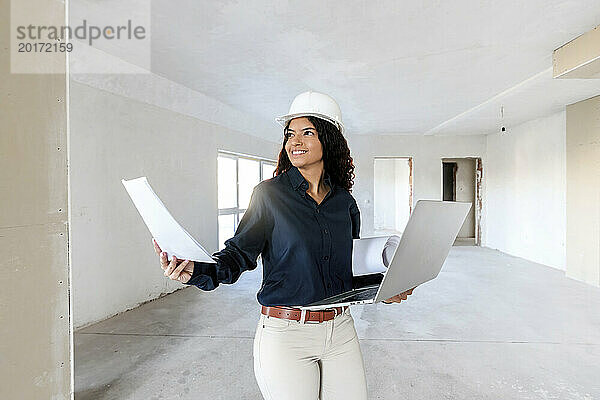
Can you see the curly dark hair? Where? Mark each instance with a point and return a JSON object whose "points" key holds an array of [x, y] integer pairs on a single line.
{"points": [[336, 153]]}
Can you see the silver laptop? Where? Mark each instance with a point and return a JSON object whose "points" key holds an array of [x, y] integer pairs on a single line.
{"points": [[424, 246]]}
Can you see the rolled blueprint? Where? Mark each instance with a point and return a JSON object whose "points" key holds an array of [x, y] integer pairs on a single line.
{"points": [[374, 254]]}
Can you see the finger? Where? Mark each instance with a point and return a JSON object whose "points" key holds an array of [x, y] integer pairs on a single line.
{"points": [[184, 277], [190, 267], [393, 299], [156, 246], [177, 272], [163, 260], [171, 266]]}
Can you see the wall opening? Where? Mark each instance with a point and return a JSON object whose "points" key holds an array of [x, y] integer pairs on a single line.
{"points": [[461, 181], [449, 181], [393, 189]]}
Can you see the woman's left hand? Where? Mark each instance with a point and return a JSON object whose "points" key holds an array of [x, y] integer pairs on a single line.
{"points": [[399, 297]]}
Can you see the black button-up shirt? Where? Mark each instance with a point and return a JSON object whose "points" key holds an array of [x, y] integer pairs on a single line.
{"points": [[306, 247]]}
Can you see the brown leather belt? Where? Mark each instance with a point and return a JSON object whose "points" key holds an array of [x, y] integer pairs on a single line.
{"points": [[295, 314]]}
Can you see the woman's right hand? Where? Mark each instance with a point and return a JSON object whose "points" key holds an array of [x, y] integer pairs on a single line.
{"points": [[177, 270]]}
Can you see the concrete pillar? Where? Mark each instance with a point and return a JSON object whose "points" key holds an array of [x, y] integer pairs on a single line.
{"points": [[34, 270], [583, 191]]}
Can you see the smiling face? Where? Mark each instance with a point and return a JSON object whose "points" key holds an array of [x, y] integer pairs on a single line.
{"points": [[303, 146]]}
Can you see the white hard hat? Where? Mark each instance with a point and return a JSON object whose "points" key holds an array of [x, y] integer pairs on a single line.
{"points": [[314, 104]]}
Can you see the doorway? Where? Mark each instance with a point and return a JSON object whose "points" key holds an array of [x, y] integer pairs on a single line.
{"points": [[461, 181]]}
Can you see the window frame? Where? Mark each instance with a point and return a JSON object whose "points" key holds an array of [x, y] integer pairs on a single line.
{"points": [[235, 211]]}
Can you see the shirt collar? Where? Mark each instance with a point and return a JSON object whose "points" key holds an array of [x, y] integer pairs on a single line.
{"points": [[297, 180]]}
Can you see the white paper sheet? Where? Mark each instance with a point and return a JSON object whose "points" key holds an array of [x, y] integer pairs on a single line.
{"points": [[372, 255], [170, 236]]}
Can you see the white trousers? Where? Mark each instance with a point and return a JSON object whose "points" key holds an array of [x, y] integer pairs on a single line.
{"points": [[294, 361]]}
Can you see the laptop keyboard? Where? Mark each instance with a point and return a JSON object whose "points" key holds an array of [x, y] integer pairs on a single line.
{"points": [[362, 295], [357, 295]]}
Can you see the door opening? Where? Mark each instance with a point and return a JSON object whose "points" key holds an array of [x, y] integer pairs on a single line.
{"points": [[461, 181], [449, 179]]}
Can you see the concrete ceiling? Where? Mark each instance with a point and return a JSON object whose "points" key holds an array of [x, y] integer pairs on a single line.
{"points": [[395, 67]]}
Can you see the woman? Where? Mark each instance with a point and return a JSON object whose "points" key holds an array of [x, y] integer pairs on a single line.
{"points": [[302, 223]]}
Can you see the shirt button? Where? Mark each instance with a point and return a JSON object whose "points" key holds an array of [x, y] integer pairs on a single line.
{"points": [[325, 231], [326, 258], [317, 210]]}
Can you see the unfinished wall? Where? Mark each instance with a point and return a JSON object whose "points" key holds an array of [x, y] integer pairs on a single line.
{"points": [[526, 177], [391, 194], [34, 272], [114, 137], [384, 194], [403, 193], [583, 191], [427, 153]]}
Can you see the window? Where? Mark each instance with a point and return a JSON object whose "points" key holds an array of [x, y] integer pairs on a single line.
{"points": [[237, 176]]}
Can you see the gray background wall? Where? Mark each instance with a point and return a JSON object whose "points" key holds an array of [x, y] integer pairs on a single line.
{"points": [[526, 191]]}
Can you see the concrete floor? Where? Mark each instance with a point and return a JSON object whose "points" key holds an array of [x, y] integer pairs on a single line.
{"points": [[491, 326]]}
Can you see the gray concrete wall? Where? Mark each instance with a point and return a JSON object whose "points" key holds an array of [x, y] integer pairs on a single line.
{"points": [[115, 137], [427, 153], [391, 195], [583, 191], [34, 271], [526, 178], [384, 194]]}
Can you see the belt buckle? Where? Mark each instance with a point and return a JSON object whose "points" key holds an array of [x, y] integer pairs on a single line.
{"points": [[303, 318]]}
